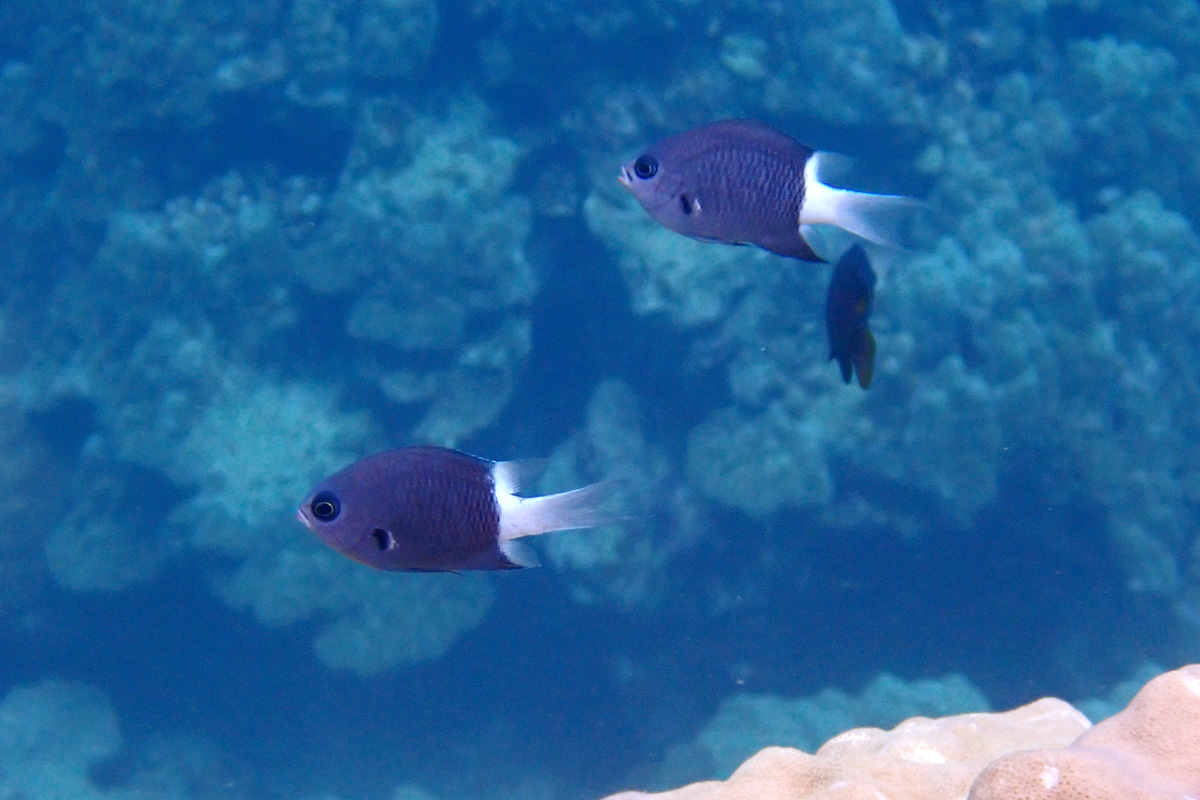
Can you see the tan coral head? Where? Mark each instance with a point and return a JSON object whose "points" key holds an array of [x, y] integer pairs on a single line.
{"points": [[1149, 751]]}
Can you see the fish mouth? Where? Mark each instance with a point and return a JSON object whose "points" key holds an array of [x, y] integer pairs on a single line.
{"points": [[333, 542], [626, 180]]}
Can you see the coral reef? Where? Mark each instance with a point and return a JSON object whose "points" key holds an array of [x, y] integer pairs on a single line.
{"points": [[628, 561], [1039, 322], [60, 740], [932, 759], [245, 244], [1044, 749], [376, 621], [1149, 750], [51, 735], [745, 723], [846, 63], [333, 46], [199, 447], [250, 454], [423, 233], [689, 282]]}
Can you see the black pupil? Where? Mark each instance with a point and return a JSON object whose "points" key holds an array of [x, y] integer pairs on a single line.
{"points": [[325, 506], [645, 167]]}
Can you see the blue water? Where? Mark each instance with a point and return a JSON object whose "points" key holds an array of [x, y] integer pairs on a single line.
{"points": [[243, 247]]}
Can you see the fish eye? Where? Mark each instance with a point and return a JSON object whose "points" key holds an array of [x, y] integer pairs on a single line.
{"points": [[645, 167], [325, 506]]}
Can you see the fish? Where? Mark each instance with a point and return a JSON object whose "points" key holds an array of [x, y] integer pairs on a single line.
{"points": [[847, 311], [739, 181], [433, 509]]}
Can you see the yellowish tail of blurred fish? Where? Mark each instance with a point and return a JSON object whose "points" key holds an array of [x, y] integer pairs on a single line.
{"points": [[864, 362]]}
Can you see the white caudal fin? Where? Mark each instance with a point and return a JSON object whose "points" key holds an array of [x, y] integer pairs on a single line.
{"points": [[874, 217], [512, 476], [530, 516], [519, 553]]}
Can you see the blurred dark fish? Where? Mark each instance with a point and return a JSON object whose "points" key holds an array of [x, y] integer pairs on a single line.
{"points": [[743, 182], [847, 311], [430, 509]]}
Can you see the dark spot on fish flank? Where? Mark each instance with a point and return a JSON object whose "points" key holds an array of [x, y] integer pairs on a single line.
{"points": [[686, 203], [383, 539], [646, 167], [326, 506]]}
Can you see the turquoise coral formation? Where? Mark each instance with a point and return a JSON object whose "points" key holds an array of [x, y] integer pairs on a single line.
{"points": [[245, 245]]}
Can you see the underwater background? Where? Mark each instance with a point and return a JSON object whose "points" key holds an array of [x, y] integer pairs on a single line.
{"points": [[244, 244]]}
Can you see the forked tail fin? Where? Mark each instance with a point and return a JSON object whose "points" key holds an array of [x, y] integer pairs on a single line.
{"points": [[578, 508], [874, 217]]}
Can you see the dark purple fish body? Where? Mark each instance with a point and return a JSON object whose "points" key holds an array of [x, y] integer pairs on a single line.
{"points": [[431, 509], [847, 313], [743, 182], [736, 181]]}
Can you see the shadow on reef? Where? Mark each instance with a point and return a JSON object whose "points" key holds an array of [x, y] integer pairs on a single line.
{"points": [[575, 348]]}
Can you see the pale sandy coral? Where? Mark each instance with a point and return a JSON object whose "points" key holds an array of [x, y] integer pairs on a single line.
{"points": [[747, 722], [1149, 751], [1118, 697], [920, 759]]}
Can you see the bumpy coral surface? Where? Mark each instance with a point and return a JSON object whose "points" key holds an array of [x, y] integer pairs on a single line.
{"points": [[746, 722], [1149, 751], [920, 759], [1047, 749]]}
